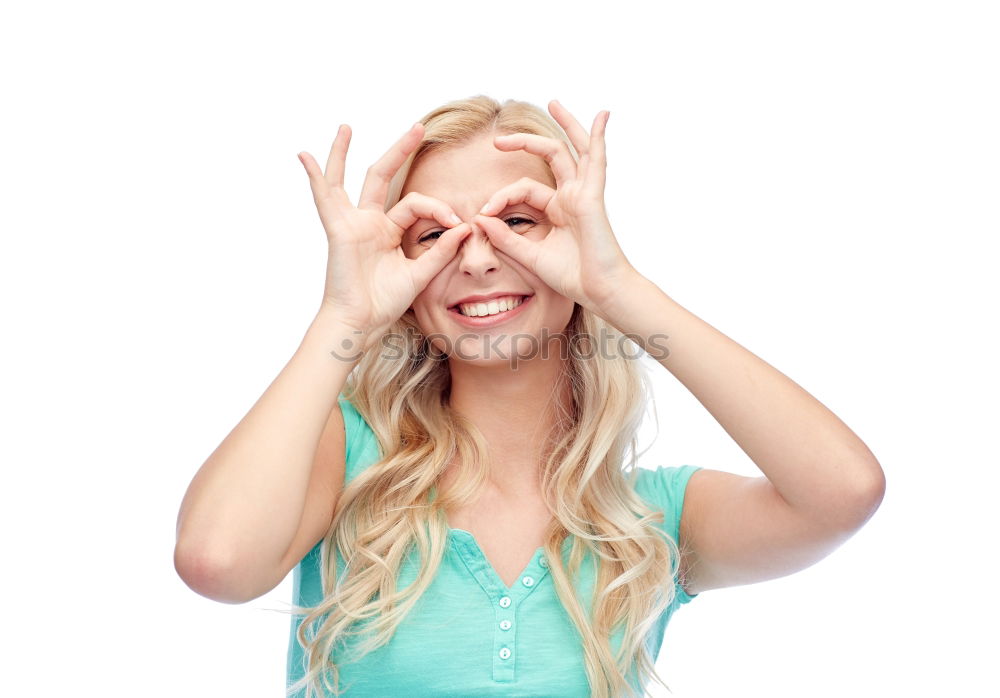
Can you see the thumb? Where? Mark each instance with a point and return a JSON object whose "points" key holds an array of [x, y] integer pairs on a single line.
{"points": [[515, 246], [426, 266]]}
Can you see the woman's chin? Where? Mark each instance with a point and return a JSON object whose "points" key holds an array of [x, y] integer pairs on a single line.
{"points": [[496, 351]]}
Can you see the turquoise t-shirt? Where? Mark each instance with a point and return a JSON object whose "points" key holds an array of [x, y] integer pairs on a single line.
{"points": [[469, 634]]}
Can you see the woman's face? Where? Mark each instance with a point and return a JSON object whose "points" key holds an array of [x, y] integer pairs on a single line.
{"points": [[465, 177]]}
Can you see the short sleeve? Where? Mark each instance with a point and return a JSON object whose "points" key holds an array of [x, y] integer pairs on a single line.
{"points": [[664, 489], [360, 443]]}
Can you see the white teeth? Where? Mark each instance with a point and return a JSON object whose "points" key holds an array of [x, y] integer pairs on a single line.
{"points": [[491, 307]]}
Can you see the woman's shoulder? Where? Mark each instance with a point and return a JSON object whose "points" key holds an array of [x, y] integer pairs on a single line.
{"points": [[360, 443], [664, 479], [663, 487]]}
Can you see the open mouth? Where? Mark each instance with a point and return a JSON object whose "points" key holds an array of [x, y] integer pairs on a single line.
{"points": [[494, 306]]}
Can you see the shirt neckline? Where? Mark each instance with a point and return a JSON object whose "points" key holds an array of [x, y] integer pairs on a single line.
{"points": [[531, 568], [470, 550]]}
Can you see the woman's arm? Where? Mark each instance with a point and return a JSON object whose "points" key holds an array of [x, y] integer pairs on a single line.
{"points": [[269, 491], [247, 504], [821, 482]]}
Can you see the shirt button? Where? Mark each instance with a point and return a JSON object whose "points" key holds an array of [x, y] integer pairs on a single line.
{"points": [[543, 562], [505, 625], [505, 653], [505, 602], [528, 581]]}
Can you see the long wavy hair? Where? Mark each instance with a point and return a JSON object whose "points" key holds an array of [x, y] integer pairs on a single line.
{"points": [[394, 507]]}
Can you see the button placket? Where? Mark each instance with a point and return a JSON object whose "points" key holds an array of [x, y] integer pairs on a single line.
{"points": [[506, 600], [508, 606], [504, 641]]}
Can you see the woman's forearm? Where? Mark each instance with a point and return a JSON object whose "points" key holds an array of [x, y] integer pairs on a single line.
{"points": [[812, 458]]}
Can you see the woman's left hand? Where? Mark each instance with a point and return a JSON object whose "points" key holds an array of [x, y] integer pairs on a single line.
{"points": [[579, 258]]}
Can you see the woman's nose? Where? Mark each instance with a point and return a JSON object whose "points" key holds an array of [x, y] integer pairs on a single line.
{"points": [[477, 254]]}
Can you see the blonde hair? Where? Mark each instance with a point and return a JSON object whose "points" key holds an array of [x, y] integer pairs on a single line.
{"points": [[394, 507]]}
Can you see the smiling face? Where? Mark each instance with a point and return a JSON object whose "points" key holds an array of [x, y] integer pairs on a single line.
{"points": [[465, 177]]}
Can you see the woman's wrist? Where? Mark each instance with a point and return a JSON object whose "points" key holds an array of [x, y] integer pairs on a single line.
{"points": [[616, 305], [345, 341]]}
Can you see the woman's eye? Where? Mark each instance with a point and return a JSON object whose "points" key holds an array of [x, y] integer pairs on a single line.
{"points": [[512, 222], [518, 220]]}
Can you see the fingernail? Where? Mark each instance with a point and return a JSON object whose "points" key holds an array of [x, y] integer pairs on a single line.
{"points": [[455, 219]]}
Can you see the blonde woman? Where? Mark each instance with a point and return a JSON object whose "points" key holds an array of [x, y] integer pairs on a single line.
{"points": [[448, 461]]}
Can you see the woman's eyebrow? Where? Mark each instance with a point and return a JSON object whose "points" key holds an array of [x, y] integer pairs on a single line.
{"points": [[523, 204]]}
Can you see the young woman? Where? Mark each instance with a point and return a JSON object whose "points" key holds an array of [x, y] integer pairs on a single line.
{"points": [[448, 460]]}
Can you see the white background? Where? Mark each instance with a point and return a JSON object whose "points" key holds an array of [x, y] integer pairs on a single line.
{"points": [[817, 180]]}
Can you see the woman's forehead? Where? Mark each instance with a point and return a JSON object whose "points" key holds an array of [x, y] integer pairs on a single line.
{"points": [[464, 170]]}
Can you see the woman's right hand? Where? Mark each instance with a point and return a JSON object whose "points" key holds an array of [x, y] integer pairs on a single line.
{"points": [[370, 282]]}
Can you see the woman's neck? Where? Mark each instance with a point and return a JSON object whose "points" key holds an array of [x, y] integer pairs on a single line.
{"points": [[517, 411]]}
